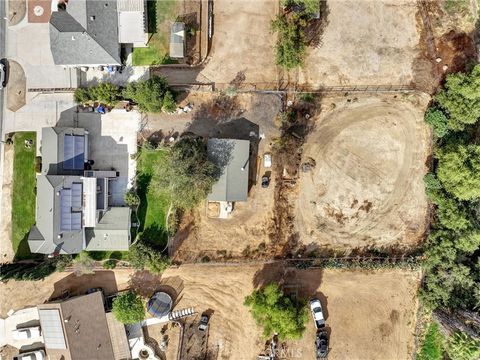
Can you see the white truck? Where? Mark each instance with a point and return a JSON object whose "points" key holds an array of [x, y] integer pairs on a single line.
{"points": [[317, 313]]}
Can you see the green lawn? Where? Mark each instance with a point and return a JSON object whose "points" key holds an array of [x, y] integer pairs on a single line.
{"points": [[153, 207], [433, 344], [23, 198], [161, 15]]}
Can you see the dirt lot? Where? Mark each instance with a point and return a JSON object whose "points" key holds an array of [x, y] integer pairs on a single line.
{"points": [[365, 42], [237, 117], [371, 315], [242, 42], [367, 187]]}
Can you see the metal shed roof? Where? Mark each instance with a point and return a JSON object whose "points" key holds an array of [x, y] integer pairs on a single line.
{"points": [[52, 329], [232, 157], [177, 40]]}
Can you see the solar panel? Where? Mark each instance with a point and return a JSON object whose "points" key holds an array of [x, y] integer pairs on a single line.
{"points": [[52, 329], [76, 195], [71, 199], [73, 152]]}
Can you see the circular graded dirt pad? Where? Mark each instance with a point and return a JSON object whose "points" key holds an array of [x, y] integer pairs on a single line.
{"points": [[366, 188]]}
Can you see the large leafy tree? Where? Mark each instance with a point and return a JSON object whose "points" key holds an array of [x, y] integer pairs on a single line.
{"points": [[128, 308], [461, 98], [459, 170], [186, 175], [149, 94], [277, 313]]}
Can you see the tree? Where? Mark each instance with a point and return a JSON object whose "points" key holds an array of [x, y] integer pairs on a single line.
{"points": [[462, 347], [142, 255], [277, 313], [147, 94], [169, 104], [128, 308], [452, 215], [107, 93], [461, 99], [83, 264], [186, 174], [83, 95], [459, 170], [438, 121]]}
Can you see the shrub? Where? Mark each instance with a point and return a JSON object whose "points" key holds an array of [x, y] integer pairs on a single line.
{"points": [[462, 347], [142, 256], [290, 48], [110, 264], [169, 104], [106, 93], [147, 94], [131, 198], [83, 95], [128, 308], [438, 121], [433, 344], [83, 264], [277, 313]]}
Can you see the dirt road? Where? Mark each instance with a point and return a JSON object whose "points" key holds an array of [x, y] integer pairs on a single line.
{"points": [[367, 187]]}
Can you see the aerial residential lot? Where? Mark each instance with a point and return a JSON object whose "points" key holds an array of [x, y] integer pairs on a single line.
{"points": [[365, 42], [370, 314], [367, 188]]}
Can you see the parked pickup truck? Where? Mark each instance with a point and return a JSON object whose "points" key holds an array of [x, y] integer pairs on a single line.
{"points": [[317, 313], [321, 344]]}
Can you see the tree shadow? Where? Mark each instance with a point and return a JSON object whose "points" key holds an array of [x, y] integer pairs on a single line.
{"points": [[316, 27], [151, 16], [73, 285]]}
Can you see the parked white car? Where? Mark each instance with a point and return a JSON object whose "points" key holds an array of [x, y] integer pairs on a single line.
{"points": [[33, 355], [26, 333], [267, 160], [317, 313]]}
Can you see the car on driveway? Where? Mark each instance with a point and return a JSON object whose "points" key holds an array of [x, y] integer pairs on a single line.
{"points": [[32, 355], [3, 73], [26, 333], [317, 313], [267, 160], [321, 344]]}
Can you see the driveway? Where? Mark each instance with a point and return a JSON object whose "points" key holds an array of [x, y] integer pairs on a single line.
{"points": [[20, 319]]}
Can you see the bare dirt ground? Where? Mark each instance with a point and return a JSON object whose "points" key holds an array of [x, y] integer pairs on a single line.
{"points": [[229, 117], [20, 294], [367, 187], [242, 42], [367, 42], [370, 314]]}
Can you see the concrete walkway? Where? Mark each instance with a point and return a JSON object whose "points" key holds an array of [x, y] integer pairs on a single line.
{"points": [[6, 250]]}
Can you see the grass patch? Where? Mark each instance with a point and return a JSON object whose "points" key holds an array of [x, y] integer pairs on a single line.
{"points": [[153, 207], [161, 15], [433, 344], [457, 6], [23, 193]]}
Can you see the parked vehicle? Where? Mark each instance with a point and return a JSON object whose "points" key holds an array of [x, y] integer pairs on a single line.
{"points": [[265, 181], [26, 333], [317, 313], [32, 355], [202, 326], [321, 344], [267, 160], [3, 74]]}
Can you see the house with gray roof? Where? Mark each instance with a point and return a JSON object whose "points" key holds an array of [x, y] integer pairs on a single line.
{"points": [[232, 158], [73, 210], [90, 33]]}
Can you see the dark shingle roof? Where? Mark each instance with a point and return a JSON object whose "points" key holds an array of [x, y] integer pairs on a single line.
{"points": [[86, 33]]}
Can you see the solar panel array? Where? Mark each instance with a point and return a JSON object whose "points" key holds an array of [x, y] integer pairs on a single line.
{"points": [[52, 329], [71, 208], [73, 152]]}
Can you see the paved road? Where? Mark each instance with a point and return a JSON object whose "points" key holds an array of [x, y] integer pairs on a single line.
{"points": [[3, 29]]}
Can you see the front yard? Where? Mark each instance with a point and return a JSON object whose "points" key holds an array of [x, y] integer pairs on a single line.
{"points": [[161, 14], [23, 197], [153, 209]]}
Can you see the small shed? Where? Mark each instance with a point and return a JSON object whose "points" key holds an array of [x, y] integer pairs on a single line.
{"points": [[177, 40]]}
